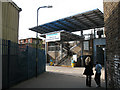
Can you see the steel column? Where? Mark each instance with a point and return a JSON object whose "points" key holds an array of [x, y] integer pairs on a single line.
{"points": [[82, 49]]}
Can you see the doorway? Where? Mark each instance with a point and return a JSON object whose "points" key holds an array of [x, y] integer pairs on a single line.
{"points": [[100, 54]]}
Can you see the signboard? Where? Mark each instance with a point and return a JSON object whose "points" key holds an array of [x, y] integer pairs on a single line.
{"points": [[53, 37], [75, 58]]}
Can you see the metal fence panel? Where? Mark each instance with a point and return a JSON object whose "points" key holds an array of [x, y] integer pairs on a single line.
{"points": [[5, 73], [31, 62], [19, 63], [41, 61]]}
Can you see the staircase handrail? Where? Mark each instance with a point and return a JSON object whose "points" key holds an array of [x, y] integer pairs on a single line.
{"points": [[61, 56], [74, 46]]}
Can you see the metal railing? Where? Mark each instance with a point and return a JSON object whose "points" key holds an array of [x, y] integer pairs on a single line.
{"points": [[54, 48], [60, 57], [18, 63]]}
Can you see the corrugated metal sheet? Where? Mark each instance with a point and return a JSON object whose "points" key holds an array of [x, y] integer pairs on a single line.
{"points": [[10, 21], [88, 20], [0, 20]]}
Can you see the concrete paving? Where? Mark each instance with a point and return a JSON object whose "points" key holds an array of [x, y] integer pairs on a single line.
{"points": [[60, 77]]}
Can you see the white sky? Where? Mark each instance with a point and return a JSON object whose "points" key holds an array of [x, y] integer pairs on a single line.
{"points": [[61, 9]]}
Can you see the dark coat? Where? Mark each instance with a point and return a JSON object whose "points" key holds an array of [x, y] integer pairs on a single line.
{"points": [[88, 69]]}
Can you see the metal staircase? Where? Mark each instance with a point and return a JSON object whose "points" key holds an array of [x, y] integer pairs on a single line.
{"points": [[76, 48], [65, 57], [61, 57]]}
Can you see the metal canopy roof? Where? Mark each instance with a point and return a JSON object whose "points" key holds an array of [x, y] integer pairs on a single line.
{"points": [[84, 21], [66, 36]]}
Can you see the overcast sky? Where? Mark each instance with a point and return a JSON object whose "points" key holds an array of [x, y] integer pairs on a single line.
{"points": [[61, 9]]}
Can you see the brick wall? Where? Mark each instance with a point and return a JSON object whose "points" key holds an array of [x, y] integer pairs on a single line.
{"points": [[112, 31]]}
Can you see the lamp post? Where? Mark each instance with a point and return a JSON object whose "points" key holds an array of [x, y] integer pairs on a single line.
{"points": [[38, 39]]}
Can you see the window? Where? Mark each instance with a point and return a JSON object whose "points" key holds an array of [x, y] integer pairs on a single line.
{"points": [[86, 45]]}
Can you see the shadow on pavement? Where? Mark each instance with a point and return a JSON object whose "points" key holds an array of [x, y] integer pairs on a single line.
{"points": [[56, 80]]}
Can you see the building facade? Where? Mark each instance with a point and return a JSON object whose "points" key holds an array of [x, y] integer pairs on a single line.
{"points": [[32, 42], [112, 31], [62, 53], [9, 23]]}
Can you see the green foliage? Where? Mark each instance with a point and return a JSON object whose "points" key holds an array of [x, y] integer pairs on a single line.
{"points": [[39, 45]]}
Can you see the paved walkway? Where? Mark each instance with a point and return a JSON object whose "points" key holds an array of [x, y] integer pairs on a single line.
{"points": [[59, 77]]}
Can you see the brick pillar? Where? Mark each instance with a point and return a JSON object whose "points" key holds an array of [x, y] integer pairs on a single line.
{"points": [[112, 31]]}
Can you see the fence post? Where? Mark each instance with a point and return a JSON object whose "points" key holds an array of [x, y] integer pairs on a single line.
{"points": [[8, 64], [0, 64], [27, 62]]}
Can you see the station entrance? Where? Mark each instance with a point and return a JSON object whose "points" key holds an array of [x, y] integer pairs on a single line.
{"points": [[62, 45], [63, 51], [100, 54]]}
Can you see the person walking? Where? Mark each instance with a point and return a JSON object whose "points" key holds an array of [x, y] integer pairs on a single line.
{"points": [[88, 71], [98, 68]]}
